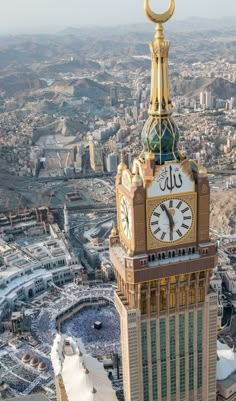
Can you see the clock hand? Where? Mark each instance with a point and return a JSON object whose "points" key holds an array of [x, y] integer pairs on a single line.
{"points": [[170, 218]]}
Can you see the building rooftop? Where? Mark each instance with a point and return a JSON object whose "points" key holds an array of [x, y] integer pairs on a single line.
{"points": [[226, 363], [33, 397], [84, 378]]}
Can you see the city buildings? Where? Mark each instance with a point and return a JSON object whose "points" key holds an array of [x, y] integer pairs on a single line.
{"points": [[163, 257]]}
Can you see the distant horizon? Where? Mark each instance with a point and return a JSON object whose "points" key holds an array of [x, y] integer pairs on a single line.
{"points": [[57, 30], [51, 16]]}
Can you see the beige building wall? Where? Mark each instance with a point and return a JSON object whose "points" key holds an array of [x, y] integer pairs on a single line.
{"points": [[60, 389], [202, 326]]}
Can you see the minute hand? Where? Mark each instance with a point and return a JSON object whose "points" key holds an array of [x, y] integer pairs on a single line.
{"points": [[170, 218]]}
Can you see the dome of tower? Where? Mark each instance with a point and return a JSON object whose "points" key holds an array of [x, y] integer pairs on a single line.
{"points": [[122, 166], [160, 136], [26, 358], [42, 367], [137, 180], [202, 171], [114, 231], [34, 362]]}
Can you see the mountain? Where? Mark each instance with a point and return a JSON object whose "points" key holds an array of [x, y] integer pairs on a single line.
{"points": [[81, 88], [18, 83], [104, 77], [71, 66], [191, 87]]}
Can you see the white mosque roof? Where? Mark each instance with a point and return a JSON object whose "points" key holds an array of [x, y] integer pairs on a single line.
{"points": [[226, 364], [84, 378]]}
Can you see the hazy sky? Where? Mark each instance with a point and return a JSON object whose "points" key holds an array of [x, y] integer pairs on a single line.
{"points": [[50, 15]]}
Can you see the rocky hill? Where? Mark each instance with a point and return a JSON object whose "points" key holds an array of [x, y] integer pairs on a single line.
{"points": [[18, 83], [71, 67], [219, 87], [81, 88], [223, 211]]}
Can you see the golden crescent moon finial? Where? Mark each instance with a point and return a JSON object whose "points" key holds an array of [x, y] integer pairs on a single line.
{"points": [[159, 18]]}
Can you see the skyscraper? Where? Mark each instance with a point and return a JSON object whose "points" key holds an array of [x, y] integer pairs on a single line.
{"points": [[96, 157], [163, 257]]}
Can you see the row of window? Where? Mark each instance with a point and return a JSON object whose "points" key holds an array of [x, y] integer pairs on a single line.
{"points": [[172, 347], [170, 254]]}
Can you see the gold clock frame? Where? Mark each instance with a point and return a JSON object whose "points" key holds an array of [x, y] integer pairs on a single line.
{"points": [[189, 237], [129, 242]]}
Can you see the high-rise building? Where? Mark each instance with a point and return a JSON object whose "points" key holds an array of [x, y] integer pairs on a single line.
{"points": [[66, 219], [96, 157], [203, 99], [163, 257], [114, 95], [206, 100], [112, 160]]}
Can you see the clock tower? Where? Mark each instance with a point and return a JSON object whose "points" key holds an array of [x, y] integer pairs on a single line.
{"points": [[163, 257]]}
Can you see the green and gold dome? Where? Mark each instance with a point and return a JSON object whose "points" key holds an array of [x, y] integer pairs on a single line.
{"points": [[161, 136]]}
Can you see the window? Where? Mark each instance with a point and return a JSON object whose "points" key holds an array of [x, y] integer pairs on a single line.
{"points": [[145, 361], [154, 359], [153, 301], [163, 339], [191, 350], [143, 304], [172, 297], [163, 380], [181, 335], [172, 337], [182, 295], [163, 298], [192, 294], [199, 348], [200, 293]]}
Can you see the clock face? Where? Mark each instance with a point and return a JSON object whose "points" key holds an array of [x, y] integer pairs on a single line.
{"points": [[126, 217], [171, 220]]}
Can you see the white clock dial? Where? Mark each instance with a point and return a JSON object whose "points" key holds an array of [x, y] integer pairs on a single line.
{"points": [[126, 217], [171, 220]]}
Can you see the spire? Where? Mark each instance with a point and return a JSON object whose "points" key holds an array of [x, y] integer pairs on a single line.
{"points": [[122, 166], [160, 134], [160, 103]]}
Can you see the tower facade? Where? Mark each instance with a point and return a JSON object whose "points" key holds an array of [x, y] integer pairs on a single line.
{"points": [[163, 257]]}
